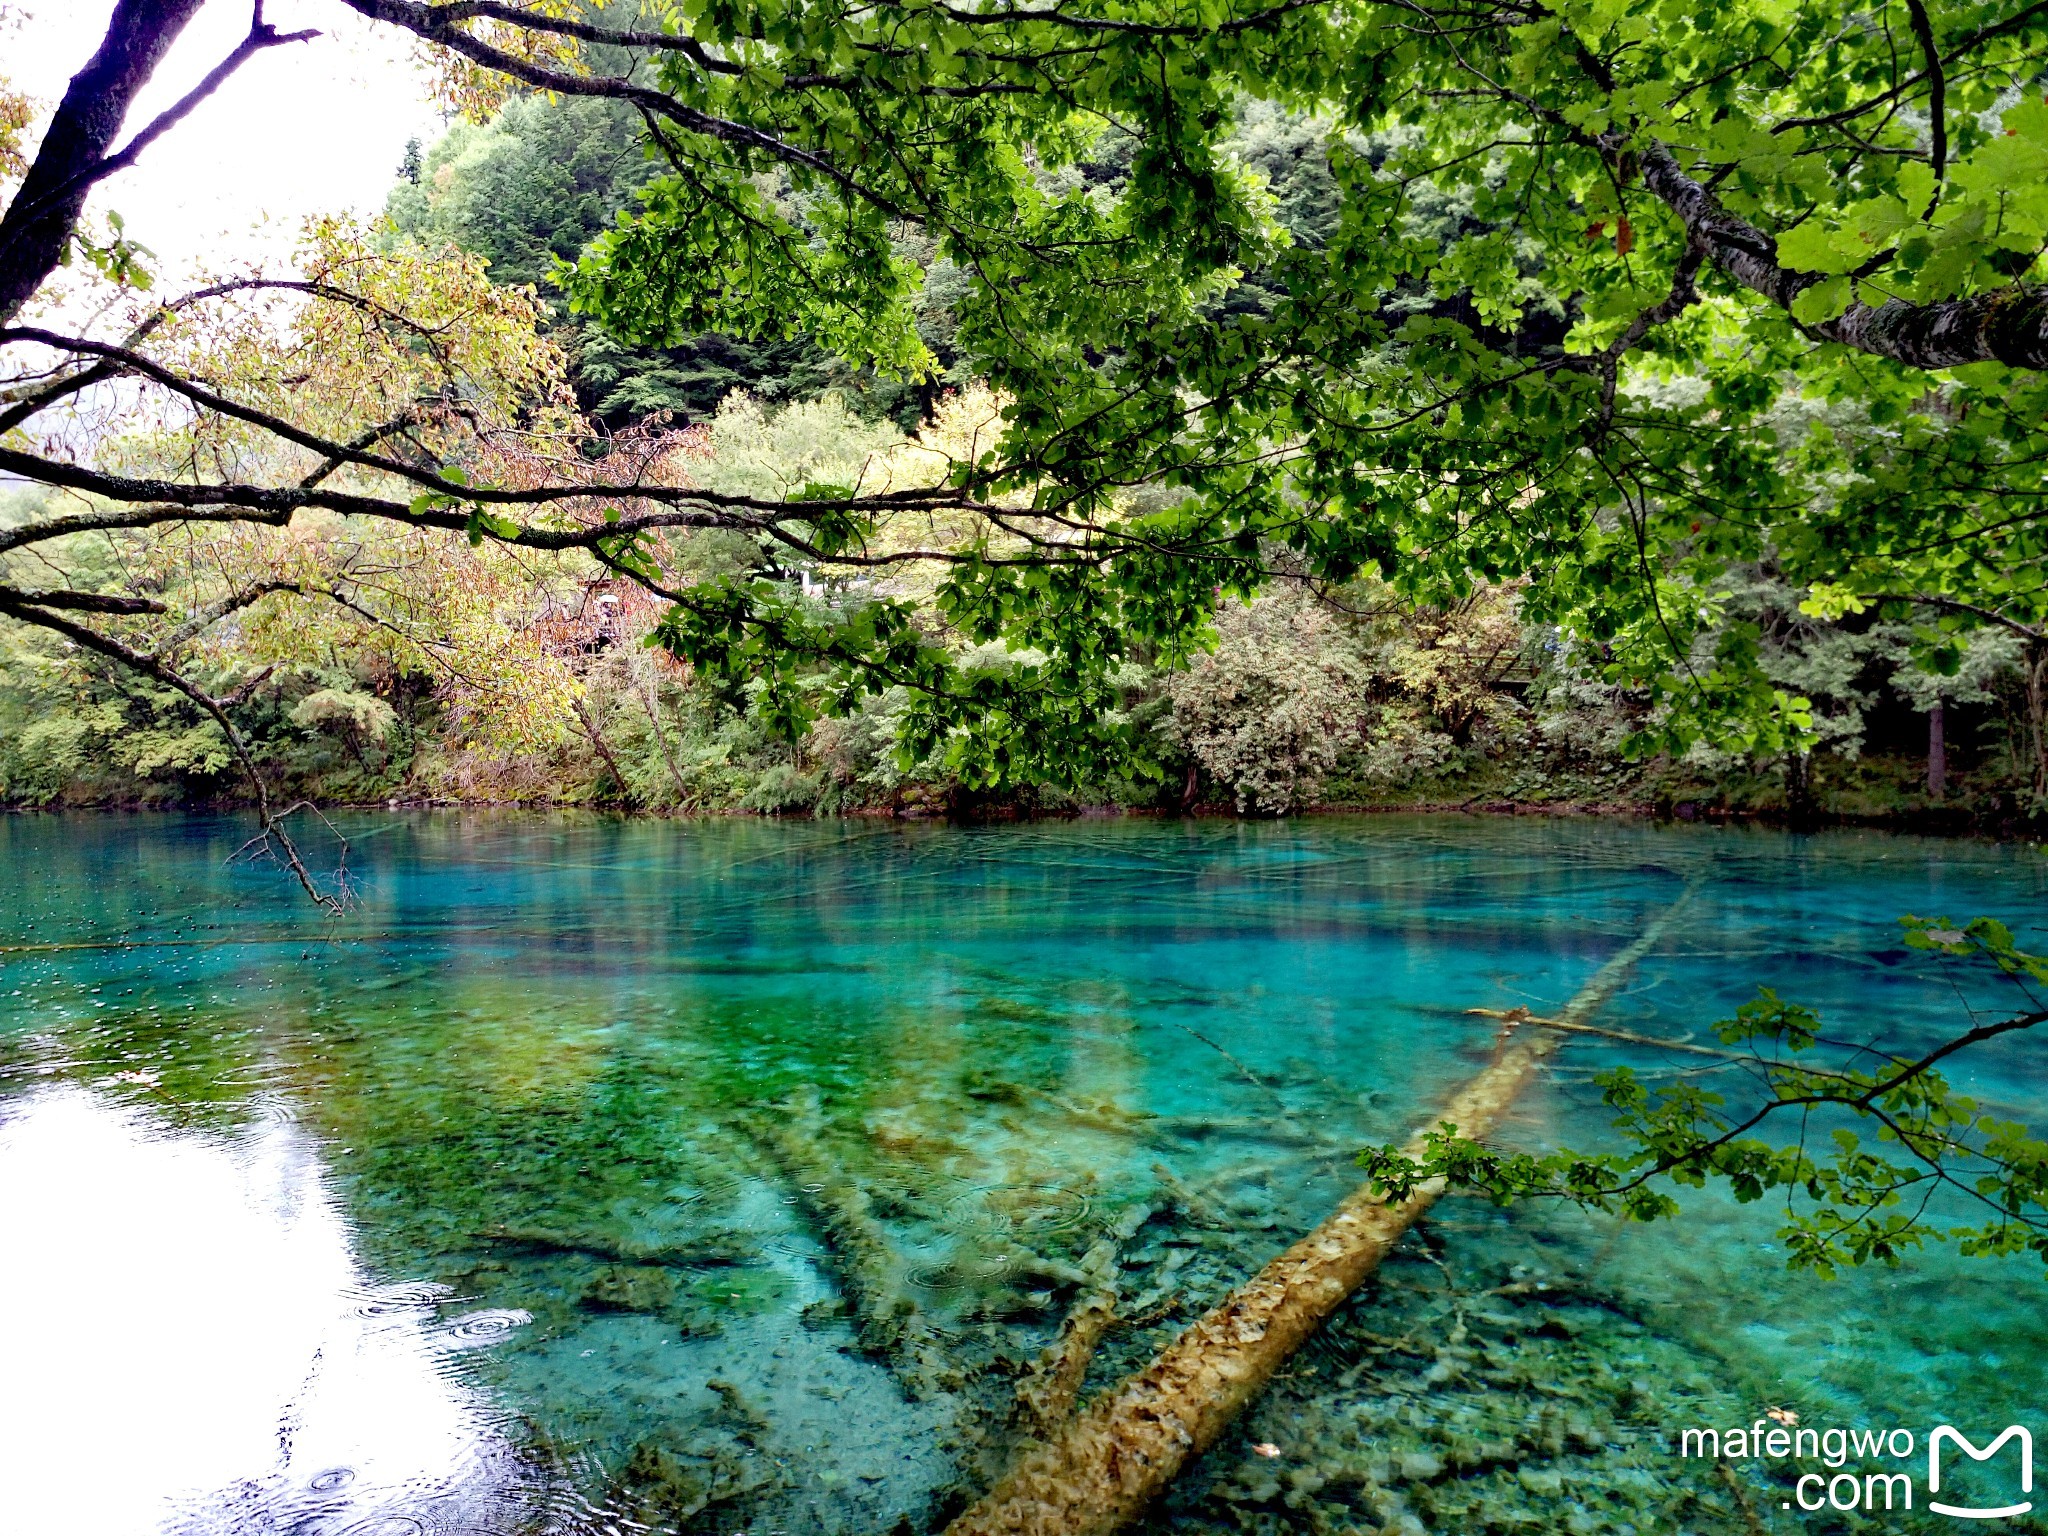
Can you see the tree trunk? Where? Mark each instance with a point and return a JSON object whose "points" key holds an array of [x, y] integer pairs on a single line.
{"points": [[604, 751], [1937, 751], [1800, 809], [2036, 664], [39, 222], [650, 699], [1101, 1472]]}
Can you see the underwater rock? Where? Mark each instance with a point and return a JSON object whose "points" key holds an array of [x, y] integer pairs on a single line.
{"points": [[825, 1312], [659, 1487], [630, 1288], [1420, 1467], [734, 1407], [1196, 1208], [992, 1090], [665, 1489]]}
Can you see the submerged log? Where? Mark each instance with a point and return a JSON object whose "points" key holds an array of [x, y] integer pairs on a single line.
{"points": [[1099, 1473], [888, 1323], [1049, 1390]]}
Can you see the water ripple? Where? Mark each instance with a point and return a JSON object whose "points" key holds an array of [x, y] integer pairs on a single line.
{"points": [[475, 1330], [1000, 1209], [398, 1300]]}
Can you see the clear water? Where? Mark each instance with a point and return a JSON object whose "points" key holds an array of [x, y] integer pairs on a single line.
{"points": [[594, 1177]]}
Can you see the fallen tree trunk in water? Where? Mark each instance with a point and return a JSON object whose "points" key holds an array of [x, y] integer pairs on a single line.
{"points": [[1100, 1472], [1046, 1395]]}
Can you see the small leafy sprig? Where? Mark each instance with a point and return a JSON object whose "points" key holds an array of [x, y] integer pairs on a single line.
{"points": [[118, 259], [1883, 1149]]}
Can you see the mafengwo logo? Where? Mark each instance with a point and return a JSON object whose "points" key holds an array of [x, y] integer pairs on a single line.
{"points": [[1948, 1434], [1779, 1438]]}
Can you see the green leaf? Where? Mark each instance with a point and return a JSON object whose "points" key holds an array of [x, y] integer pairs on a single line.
{"points": [[1822, 302], [1813, 247], [482, 523]]}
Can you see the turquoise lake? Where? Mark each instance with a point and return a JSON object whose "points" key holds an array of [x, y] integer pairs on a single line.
{"points": [[726, 1177]]}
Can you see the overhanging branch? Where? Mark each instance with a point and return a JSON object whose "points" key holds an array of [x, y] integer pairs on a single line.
{"points": [[271, 821], [2008, 325]]}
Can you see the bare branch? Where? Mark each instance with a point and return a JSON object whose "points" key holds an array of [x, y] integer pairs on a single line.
{"points": [[261, 36], [271, 821]]}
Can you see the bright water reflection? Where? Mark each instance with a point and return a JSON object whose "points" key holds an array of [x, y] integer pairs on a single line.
{"points": [[720, 1178], [193, 1345]]}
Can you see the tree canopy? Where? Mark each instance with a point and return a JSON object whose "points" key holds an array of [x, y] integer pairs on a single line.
{"points": [[1604, 296]]}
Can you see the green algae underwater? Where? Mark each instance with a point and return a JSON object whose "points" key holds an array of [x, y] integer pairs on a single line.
{"points": [[732, 1177]]}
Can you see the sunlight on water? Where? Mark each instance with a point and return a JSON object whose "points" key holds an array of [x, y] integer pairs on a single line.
{"points": [[715, 1178], [203, 1347]]}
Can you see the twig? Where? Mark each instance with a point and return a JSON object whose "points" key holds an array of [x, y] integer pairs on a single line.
{"points": [[1514, 1016]]}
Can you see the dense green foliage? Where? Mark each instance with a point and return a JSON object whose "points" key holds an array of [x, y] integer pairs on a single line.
{"points": [[535, 186], [1507, 353]]}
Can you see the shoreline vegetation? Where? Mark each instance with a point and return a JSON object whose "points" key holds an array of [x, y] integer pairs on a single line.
{"points": [[365, 666], [1990, 817]]}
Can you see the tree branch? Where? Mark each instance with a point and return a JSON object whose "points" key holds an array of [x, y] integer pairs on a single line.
{"points": [[584, 32], [39, 223], [2008, 325], [1937, 94], [261, 36], [433, 24], [270, 820], [84, 602], [152, 503]]}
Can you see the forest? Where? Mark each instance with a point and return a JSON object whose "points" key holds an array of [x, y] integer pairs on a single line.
{"points": [[425, 672]]}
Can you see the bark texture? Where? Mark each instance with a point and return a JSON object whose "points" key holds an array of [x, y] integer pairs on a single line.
{"points": [[2036, 666], [1099, 1474]]}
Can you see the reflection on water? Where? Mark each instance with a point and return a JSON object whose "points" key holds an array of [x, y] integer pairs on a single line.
{"points": [[718, 1178], [193, 1346]]}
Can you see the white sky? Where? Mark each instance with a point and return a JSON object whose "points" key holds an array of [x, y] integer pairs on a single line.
{"points": [[316, 127]]}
